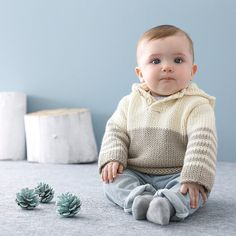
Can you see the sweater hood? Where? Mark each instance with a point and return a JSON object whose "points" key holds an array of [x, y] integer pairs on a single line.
{"points": [[191, 90]]}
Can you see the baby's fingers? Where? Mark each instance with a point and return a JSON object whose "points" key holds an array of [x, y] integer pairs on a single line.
{"points": [[183, 189], [204, 195], [115, 167], [193, 198], [110, 172], [120, 169], [104, 174]]}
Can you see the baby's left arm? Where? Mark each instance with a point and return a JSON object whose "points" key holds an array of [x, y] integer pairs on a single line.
{"points": [[193, 189]]}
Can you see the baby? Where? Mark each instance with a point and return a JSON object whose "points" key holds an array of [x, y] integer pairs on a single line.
{"points": [[158, 154]]}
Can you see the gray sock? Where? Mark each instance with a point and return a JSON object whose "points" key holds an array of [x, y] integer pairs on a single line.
{"points": [[160, 210], [140, 206]]}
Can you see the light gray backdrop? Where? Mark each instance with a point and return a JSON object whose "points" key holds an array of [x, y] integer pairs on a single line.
{"points": [[81, 53]]}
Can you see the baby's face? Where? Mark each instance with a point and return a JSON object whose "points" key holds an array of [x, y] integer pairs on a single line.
{"points": [[166, 64]]}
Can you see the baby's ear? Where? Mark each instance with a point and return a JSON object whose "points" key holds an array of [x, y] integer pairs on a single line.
{"points": [[139, 74], [194, 69]]}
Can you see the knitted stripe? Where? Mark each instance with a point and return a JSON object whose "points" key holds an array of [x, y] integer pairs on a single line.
{"points": [[159, 171], [155, 147]]}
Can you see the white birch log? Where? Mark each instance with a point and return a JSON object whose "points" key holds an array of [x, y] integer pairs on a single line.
{"points": [[12, 131], [60, 136]]}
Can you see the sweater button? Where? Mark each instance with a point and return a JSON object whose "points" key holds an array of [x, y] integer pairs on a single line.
{"points": [[149, 101]]}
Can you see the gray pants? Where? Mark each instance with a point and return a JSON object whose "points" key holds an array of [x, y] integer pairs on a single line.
{"points": [[130, 184]]}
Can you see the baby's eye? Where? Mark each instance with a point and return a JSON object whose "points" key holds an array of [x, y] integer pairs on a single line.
{"points": [[178, 60], [156, 61]]}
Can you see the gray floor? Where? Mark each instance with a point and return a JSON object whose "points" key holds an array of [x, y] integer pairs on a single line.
{"points": [[97, 215]]}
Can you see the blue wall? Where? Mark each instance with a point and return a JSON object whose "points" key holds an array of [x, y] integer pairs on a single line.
{"points": [[81, 53]]}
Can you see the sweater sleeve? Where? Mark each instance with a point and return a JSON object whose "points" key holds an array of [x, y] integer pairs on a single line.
{"points": [[200, 157], [116, 140]]}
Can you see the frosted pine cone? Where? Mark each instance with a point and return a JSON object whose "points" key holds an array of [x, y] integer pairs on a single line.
{"points": [[45, 192], [27, 199], [68, 205]]}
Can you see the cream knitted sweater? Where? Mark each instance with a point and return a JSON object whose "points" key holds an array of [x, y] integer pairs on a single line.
{"points": [[167, 136]]}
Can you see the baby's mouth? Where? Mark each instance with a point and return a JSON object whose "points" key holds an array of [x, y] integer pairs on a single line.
{"points": [[167, 78]]}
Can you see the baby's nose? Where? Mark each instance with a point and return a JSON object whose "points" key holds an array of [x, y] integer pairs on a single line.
{"points": [[167, 68]]}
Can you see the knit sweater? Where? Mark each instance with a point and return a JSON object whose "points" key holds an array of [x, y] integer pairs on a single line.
{"points": [[166, 136]]}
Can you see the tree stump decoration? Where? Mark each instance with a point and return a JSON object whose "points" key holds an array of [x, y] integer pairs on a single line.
{"points": [[60, 136]]}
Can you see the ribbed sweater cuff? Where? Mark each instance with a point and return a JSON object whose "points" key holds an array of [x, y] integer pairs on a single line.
{"points": [[198, 174], [119, 156]]}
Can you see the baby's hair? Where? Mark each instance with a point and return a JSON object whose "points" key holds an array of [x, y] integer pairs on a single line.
{"points": [[163, 31]]}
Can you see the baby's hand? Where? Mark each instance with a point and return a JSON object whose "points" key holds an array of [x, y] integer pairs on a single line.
{"points": [[194, 189], [110, 170]]}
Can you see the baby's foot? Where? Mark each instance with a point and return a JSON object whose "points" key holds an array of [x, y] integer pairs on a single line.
{"points": [[140, 206], [160, 211]]}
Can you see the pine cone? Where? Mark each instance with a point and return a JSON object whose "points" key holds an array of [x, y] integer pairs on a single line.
{"points": [[27, 199], [68, 205], [45, 192]]}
